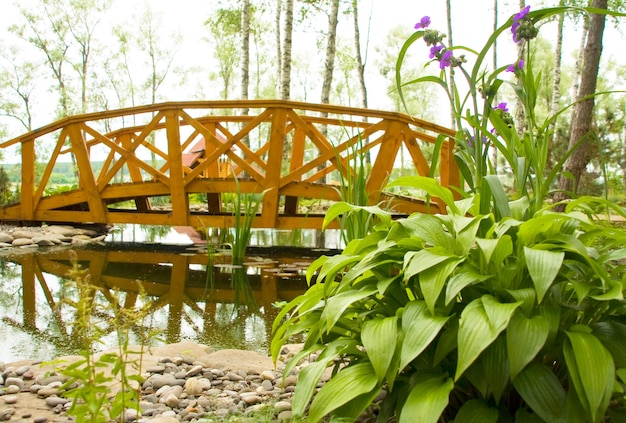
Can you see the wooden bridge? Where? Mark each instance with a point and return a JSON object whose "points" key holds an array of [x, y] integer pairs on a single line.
{"points": [[127, 161]]}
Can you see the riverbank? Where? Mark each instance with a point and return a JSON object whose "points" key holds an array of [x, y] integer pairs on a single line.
{"points": [[182, 382]]}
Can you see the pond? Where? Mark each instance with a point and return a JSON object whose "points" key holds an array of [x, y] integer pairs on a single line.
{"points": [[181, 281]]}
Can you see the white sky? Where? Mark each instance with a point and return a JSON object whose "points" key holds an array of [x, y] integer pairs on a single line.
{"points": [[472, 23]]}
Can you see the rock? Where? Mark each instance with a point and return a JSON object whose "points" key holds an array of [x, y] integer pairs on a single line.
{"points": [[12, 389], [285, 416], [10, 399], [6, 238], [55, 401], [282, 405], [14, 381], [20, 242]]}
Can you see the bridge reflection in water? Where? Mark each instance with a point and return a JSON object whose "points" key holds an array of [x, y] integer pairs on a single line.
{"points": [[187, 293]]}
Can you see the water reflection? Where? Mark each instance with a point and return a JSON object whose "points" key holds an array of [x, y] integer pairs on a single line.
{"points": [[189, 294]]}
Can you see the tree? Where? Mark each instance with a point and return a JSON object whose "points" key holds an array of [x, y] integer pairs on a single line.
{"points": [[581, 128], [331, 45], [360, 60], [18, 79], [225, 29], [245, 49], [285, 59]]}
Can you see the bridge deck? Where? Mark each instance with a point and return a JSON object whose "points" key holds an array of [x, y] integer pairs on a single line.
{"points": [[294, 154]]}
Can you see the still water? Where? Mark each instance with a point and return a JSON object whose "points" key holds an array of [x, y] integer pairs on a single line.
{"points": [[176, 283]]}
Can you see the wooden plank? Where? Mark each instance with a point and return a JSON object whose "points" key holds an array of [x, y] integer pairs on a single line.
{"points": [[27, 200], [297, 159], [274, 167], [178, 195], [86, 178], [450, 173], [385, 159]]}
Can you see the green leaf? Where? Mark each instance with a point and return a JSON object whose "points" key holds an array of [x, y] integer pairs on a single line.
{"points": [[309, 376], [379, 338], [591, 369], [430, 186], [481, 322], [464, 277], [432, 281], [476, 411], [496, 367], [613, 337], [500, 199], [525, 337], [337, 304], [415, 262], [542, 391], [427, 399], [543, 267], [420, 327], [348, 383]]}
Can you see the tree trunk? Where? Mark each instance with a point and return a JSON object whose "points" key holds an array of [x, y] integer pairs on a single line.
{"points": [[329, 64], [285, 86], [360, 63], [331, 47], [556, 85], [583, 111], [279, 54], [245, 49]]}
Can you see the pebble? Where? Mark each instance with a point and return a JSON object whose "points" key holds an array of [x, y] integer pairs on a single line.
{"points": [[176, 390], [10, 399]]}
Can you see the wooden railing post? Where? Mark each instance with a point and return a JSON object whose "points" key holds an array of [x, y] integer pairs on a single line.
{"points": [[87, 180], [448, 168], [269, 213], [27, 202], [180, 200]]}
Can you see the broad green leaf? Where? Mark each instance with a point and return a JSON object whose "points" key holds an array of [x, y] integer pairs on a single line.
{"points": [[542, 391], [420, 327], [496, 367], [379, 338], [481, 322], [334, 265], [476, 411], [348, 383], [428, 228], [616, 292], [524, 416], [432, 281], [500, 199], [591, 369], [613, 337], [427, 399], [497, 248], [309, 376], [337, 304], [430, 186], [525, 337], [543, 267], [464, 277], [343, 208], [416, 262], [527, 296]]}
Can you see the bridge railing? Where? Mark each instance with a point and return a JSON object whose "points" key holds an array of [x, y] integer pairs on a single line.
{"points": [[284, 149]]}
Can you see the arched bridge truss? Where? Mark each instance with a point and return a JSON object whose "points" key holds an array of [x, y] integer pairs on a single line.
{"points": [[127, 161]]}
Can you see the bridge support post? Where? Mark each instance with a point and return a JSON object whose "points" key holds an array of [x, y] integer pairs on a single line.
{"points": [[269, 212]]}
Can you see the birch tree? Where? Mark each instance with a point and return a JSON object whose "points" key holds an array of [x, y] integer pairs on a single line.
{"points": [[285, 59], [581, 129]]}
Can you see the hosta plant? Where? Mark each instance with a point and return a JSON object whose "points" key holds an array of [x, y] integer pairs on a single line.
{"points": [[464, 317]]}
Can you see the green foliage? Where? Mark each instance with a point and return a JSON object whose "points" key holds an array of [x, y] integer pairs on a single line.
{"points": [[355, 223], [102, 386], [466, 316], [484, 125]]}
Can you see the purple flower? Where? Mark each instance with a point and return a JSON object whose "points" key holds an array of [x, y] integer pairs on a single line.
{"points": [[446, 59], [434, 50], [423, 23], [515, 66], [501, 106], [522, 14], [517, 21]]}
